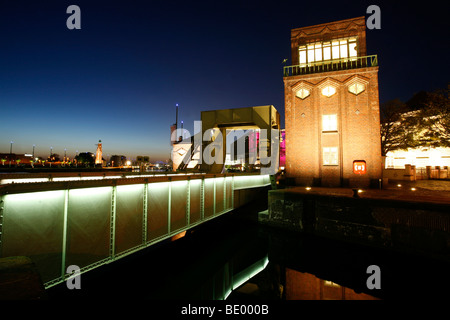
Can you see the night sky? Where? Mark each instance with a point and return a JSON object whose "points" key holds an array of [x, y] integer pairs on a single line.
{"points": [[119, 77]]}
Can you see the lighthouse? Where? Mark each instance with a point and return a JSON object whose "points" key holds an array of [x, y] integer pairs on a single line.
{"points": [[98, 154]]}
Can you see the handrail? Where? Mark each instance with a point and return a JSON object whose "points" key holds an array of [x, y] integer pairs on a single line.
{"points": [[331, 65]]}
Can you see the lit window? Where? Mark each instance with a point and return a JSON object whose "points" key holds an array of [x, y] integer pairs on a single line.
{"points": [[352, 47], [302, 52], [323, 51], [303, 93], [335, 50], [328, 91], [311, 53], [330, 156], [344, 51], [326, 51], [318, 52], [356, 88], [329, 122]]}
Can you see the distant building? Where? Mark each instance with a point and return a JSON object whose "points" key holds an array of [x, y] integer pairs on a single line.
{"points": [[118, 161], [15, 159], [332, 107]]}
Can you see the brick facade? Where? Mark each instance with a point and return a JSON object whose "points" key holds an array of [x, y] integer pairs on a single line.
{"points": [[357, 135]]}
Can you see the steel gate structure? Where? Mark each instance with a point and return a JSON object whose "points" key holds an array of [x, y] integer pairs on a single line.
{"points": [[91, 220]]}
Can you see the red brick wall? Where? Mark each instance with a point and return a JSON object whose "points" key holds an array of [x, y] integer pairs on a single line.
{"points": [[358, 136]]}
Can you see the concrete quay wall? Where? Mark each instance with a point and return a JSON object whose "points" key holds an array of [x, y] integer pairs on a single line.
{"points": [[380, 218]]}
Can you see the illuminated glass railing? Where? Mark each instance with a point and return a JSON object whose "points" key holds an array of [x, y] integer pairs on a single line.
{"points": [[10, 180], [331, 65], [91, 223]]}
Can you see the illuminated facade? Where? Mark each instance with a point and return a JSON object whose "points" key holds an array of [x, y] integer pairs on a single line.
{"points": [[332, 106]]}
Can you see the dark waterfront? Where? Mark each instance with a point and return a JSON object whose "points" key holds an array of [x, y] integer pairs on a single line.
{"points": [[199, 266]]}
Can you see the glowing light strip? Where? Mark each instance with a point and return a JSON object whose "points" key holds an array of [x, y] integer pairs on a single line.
{"points": [[92, 178], [32, 180], [66, 178], [28, 180], [142, 176], [255, 268]]}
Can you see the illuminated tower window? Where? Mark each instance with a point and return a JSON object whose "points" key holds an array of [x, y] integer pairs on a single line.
{"points": [[303, 93], [343, 48], [302, 55], [328, 91], [328, 50], [330, 156], [329, 122], [356, 88], [352, 47]]}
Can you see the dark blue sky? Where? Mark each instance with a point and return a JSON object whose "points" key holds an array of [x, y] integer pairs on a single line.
{"points": [[119, 77]]}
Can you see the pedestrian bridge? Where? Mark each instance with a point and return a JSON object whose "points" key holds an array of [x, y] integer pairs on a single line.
{"points": [[91, 219]]}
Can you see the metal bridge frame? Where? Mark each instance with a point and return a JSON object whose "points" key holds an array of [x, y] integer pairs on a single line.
{"points": [[228, 205]]}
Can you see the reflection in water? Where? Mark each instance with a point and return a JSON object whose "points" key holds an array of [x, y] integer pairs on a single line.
{"points": [[301, 286], [306, 286], [234, 258], [178, 236]]}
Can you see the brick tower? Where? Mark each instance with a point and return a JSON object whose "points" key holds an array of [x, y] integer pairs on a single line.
{"points": [[332, 107]]}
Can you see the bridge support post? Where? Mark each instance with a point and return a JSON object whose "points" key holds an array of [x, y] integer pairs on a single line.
{"points": [[112, 249], [1, 222], [169, 207], [188, 203], [225, 193], [232, 192], [202, 199], [64, 236], [214, 195], [145, 214]]}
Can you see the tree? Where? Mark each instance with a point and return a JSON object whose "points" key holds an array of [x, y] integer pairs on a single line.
{"points": [[54, 158], [423, 121], [85, 158], [418, 101], [398, 127], [434, 119]]}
